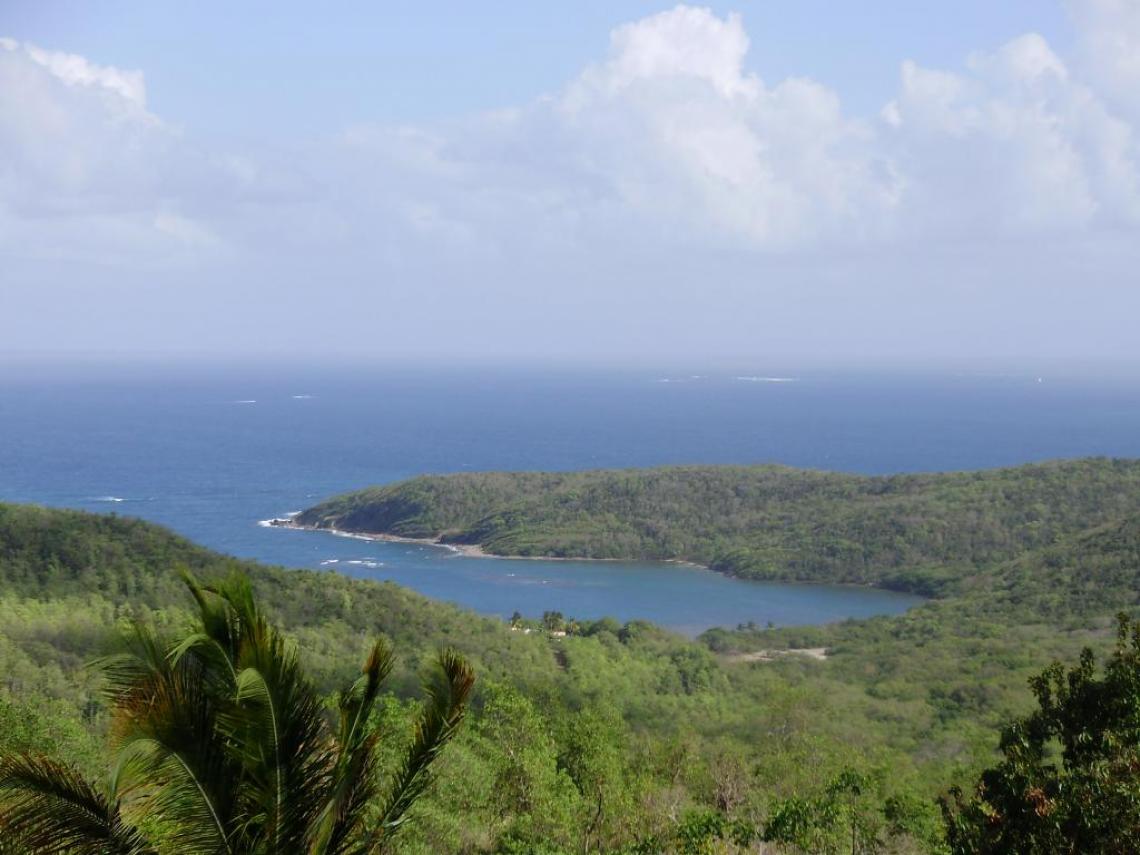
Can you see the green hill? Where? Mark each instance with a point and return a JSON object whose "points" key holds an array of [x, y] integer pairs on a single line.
{"points": [[628, 735], [925, 533]]}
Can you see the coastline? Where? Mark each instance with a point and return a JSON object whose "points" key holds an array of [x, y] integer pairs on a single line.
{"points": [[467, 550]]}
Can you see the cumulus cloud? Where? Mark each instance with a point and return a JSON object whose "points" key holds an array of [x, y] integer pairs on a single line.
{"points": [[75, 70], [1109, 49], [667, 140], [673, 127], [685, 43], [88, 172], [670, 137], [1012, 144]]}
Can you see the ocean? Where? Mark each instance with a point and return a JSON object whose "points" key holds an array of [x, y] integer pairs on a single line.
{"points": [[211, 451]]}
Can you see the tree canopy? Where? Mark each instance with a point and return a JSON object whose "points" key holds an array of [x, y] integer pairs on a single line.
{"points": [[1069, 777], [223, 745], [925, 533]]}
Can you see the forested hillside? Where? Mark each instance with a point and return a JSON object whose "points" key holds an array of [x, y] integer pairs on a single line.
{"points": [[617, 738], [924, 533]]}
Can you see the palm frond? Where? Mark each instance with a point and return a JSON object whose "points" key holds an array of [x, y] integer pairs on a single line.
{"points": [[48, 807], [342, 826], [142, 655], [214, 658], [443, 711], [278, 729], [174, 763], [354, 784], [275, 725], [220, 621], [226, 747], [357, 701], [172, 759]]}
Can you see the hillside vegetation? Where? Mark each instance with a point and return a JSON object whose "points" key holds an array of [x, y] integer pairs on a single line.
{"points": [[620, 736], [925, 533], [624, 737]]}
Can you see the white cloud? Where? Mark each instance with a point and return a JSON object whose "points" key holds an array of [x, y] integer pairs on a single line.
{"points": [[83, 165], [87, 173], [685, 43], [668, 141], [1012, 144], [75, 70], [673, 127], [1109, 49]]}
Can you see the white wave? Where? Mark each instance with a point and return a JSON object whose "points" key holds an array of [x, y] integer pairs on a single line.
{"points": [[301, 397], [247, 401], [767, 379], [355, 562], [276, 521], [108, 499]]}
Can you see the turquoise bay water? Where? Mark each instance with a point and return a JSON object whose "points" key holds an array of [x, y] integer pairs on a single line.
{"points": [[210, 453]]}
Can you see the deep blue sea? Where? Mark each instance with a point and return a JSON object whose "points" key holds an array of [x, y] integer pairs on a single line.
{"points": [[211, 451]]}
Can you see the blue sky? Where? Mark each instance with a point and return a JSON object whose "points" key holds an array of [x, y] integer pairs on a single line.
{"points": [[255, 67], [607, 180]]}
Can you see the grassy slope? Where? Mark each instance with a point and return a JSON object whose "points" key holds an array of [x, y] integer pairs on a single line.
{"points": [[925, 532]]}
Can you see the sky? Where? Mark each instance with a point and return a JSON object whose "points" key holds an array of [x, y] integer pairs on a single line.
{"points": [[882, 181]]}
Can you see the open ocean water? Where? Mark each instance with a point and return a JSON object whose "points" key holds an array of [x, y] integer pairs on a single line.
{"points": [[209, 452]]}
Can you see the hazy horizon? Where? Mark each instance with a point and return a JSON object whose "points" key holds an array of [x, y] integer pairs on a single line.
{"points": [[38, 366], [632, 183]]}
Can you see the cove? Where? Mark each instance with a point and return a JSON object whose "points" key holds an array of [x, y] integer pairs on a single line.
{"points": [[680, 597]]}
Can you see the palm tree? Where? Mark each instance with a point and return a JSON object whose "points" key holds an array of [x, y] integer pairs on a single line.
{"points": [[225, 747]]}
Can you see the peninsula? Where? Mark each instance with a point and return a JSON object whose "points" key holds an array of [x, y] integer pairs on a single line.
{"points": [[924, 533]]}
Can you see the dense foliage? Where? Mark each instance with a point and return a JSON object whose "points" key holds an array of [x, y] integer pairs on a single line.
{"points": [[1069, 779], [223, 746], [623, 737], [916, 532]]}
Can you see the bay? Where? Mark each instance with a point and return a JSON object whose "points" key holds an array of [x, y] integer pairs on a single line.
{"points": [[211, 451]]}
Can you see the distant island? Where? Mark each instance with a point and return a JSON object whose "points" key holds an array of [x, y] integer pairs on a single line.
{"points": [[924, 533]]}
